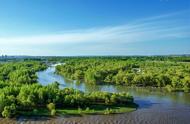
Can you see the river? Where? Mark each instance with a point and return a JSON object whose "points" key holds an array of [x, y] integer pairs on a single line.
{"points": [[155, 107]]}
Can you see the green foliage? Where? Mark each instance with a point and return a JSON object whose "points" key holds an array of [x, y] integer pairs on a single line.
{"points": [[108, 111], [87, 109], [9, 111], [53, 112], [31, 97], [20, 92], [51, 106], [35, 111], [79, 110], [130, 71], [169, 88], [20, 72]]}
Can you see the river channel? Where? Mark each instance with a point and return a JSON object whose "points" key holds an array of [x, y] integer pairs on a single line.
{"points": [[155, 106]]}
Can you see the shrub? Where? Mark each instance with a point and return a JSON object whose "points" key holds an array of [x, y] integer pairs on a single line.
{"points": [[51, 106], [53, 112], [9, 111], [79, 110], [87, 109]]}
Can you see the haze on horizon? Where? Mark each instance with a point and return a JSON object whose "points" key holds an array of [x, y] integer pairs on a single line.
{"points": [[94, 27]]}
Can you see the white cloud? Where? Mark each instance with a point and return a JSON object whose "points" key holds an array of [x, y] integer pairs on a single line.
{"points": [[166, 26]]}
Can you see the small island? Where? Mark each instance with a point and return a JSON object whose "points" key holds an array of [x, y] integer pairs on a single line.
{"points": [[75, 102]]}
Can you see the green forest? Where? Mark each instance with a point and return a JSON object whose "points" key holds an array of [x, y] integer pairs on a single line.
{"points": [[21, 94], [171, 73]]}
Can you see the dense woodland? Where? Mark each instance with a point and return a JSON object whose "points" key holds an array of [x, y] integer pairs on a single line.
{"points": [[20, 72], [172, 73], [20, 93]]}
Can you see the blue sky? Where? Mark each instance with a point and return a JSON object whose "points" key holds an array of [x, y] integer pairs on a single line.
{"points": [[94, 27]]}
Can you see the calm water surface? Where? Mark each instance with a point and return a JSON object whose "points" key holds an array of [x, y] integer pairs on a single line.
{"points": [[156, 107]]}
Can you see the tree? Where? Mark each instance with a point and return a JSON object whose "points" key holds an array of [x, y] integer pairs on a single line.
{"points": [[51, 106], [113, 99], [186, 82], [163, 80], [90, 77], [175, 82], [9, 111], [53, 112], [128, 79], [3, 102], [78, 75]]}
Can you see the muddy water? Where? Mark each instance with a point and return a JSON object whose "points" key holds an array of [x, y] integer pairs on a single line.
{"points": [[155, 107]]}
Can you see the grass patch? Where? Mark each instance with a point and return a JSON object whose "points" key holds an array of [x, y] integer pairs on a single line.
{"points": [[93, 109], [98, 109]]}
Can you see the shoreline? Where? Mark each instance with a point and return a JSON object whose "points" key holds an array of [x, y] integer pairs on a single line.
{"points": [[45, 114]]}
